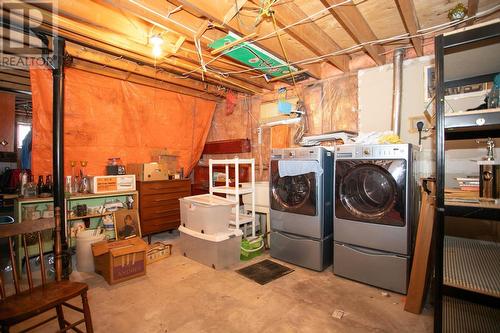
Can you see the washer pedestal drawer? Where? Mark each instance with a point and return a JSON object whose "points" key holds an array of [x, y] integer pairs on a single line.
{"points": [[302, 251], [380, 269]]}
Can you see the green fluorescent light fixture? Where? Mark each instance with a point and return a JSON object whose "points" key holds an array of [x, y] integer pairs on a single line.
{"points": [[253, 56]]}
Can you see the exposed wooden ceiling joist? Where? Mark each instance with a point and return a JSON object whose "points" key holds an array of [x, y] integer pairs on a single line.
{"points": [[238, 4], [310, 35], [16, 72], [156, 13], [104, 59], [355, 24], [15, 79], [79, 29], [409, 16], [131, 77], [15, 86], [215, 11], [472, 6]]}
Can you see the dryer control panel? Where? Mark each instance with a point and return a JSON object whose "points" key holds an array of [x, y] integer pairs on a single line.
{"points": [[305, 153], [372, 151]]}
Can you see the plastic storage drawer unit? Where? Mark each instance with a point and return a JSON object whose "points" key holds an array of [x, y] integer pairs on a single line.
{"points": [[208, 214], [218, 251]]}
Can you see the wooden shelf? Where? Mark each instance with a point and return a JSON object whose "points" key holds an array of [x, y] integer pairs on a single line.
{"points": [[473, 265], [88, 216]]}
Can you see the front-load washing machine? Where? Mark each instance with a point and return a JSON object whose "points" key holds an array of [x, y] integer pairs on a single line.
{"points": [[375, 204], [301, 200]]}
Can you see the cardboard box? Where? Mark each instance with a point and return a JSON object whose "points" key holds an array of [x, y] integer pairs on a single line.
{"points": [[121, 260], [149, 171], [107, 184], [169, 160], [158, 251]]}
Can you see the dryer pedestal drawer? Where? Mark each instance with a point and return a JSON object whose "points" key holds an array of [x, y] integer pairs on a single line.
{"points": [[302, 251], [380, 269]]}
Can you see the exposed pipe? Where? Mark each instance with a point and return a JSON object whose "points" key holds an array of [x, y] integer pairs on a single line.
{"points": [[58, 145], [397, 88]]}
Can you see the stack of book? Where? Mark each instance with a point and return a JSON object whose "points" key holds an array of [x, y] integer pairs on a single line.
{"points": [[468, 183]]}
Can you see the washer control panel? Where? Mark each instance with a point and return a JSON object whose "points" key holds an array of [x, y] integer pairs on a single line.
{"points": [[372, 151]]}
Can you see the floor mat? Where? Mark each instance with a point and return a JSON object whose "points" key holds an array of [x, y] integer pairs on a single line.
{"points": [[264, 272]]}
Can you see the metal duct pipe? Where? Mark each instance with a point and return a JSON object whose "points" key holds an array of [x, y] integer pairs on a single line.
{"points": [[397, 90]]}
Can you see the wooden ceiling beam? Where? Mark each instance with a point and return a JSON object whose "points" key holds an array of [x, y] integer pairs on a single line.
{"points": [[79, 29], [355, 24], [15, 86], [144, 70], [472, 6], [131, 77], [100, 46], [16, 72], [238, 4], [409, 16], [100, 15], [15, 79], [215, 11], [155, 12], [310, 34]]}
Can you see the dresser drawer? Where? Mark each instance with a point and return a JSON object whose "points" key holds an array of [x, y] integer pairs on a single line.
{"points": [[158, 200], [161, 211], [171, 186], [151, 226]]}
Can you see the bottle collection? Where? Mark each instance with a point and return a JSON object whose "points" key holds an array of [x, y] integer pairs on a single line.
{"points": [[45, 188], [28, 188]]}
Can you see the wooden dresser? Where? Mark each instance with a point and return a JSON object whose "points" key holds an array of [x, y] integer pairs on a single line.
{"points": [[159, 204]]}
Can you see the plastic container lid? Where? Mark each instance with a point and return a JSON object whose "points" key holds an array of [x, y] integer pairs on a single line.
{"points": [[217, 237], [208, 200]]}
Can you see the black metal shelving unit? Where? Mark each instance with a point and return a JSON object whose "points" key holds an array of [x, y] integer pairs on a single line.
{"points": [[467, 271]]}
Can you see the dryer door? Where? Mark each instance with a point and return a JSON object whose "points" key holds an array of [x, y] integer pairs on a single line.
{"points": [[293, 194], [371, 191]]}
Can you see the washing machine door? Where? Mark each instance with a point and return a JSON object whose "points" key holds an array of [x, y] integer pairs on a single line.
{"points": [[371, 191], [293, 194]]}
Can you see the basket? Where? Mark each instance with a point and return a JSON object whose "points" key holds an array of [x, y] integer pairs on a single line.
{"points": [[251, 248]]}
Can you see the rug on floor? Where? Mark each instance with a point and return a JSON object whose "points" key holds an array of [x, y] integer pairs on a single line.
{"points": [[264, 271]]}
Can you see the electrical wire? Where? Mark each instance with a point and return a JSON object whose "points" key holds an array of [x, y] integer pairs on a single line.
{"points": [[423, 32], [307, 18]]}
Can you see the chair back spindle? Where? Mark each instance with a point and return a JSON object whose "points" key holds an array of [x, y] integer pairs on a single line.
{"points": [[19, 231], [27, 261]]}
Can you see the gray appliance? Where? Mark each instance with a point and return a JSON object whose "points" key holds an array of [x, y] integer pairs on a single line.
{"points": [[375, 203], [301, 200]]}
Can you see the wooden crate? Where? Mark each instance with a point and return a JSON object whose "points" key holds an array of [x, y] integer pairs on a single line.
{"points": [[121, 260]]}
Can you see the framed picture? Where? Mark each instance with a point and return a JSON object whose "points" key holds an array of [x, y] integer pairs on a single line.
{"points": [[127, 224], [430, 86]]}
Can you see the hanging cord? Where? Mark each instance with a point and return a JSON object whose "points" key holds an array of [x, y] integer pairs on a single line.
{"points": [[283, 50], [421, 33]]}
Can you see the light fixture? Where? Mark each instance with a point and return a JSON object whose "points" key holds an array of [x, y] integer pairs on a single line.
{"points": [[157, 42]]}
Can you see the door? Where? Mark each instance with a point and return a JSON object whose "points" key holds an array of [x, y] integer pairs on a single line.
{"points": [[371, 191], [293, 194]]}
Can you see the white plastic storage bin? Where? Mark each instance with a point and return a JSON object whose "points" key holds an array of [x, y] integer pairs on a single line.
{"points": [[221, 250], [208, 214]]}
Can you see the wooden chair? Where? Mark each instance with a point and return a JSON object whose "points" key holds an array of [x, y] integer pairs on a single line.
{"points": [[25, 304]]}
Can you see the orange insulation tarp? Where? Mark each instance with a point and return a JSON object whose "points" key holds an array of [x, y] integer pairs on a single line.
{"points": [[106, 117]]}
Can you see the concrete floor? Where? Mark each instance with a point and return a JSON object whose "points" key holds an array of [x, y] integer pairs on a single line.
{"points": [[180, 295]]}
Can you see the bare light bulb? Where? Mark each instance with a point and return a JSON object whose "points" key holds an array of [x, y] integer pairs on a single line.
{"points": [[156, 51], [157, 42]]}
